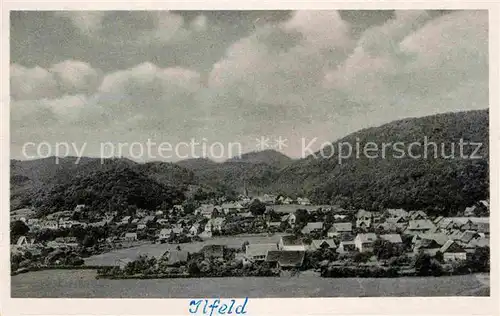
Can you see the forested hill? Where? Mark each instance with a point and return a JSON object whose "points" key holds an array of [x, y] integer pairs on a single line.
{"points": [[58, 186], [438, 181], [431, 182]]}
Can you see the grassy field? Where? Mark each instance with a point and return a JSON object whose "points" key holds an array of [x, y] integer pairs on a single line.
{"points": [[111, 258], [82, 284]]}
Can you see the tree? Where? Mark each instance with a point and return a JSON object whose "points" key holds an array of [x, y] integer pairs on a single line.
{"points": [[244, 245], [18, 229], [384, 249], [301, 217], [257, 208]]}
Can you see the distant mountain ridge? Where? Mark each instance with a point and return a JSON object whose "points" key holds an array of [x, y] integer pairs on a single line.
{"points": [[356, 182]]}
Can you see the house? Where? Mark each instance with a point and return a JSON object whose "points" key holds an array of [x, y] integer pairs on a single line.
{"points": [[33, 222], [162, 222], [420, 226], [346, 246], [303, 201], [286, 259], [452, 251], [287, 200], [322, 244], [445, 224], [363, 219], [63, 242], [469, 211], [23, 242], [417, 215], [267, 199], [339, 228], [291, 243], [131, 236], [247, 215], [52, 225], [122, 262], [392, 238], [396, 213], [483, 228], [437, 220], [178, 208], [429, 243], [467, 236], [289, 218], [274, 225], [79, 208], [194, 230], [214, 225], [147, 219], [205, 210], [175, 257], [231, 208], [258, 252], [312, 227], [364, 242], [439, 238], [165, 234], [213, 251], [339, 217], [477, 243]]}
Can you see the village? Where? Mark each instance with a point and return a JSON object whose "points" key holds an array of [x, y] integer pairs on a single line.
{"points": [[294, 235]]}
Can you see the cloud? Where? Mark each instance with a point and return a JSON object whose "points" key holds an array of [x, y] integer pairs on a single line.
{"points": [[67, 77], [76, 76], [31, 83], [305, 74], [88, 22]]}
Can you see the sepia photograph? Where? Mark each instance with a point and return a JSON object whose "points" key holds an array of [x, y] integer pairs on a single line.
{"points": [[249, 154]]}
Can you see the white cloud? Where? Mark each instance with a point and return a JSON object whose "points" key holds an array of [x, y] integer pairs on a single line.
{"points": [[302, 78], [87, 21], [31, 83], [76, 76]]}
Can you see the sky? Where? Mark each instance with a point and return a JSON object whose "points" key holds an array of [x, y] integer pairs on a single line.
{"points": [[98, 77]]}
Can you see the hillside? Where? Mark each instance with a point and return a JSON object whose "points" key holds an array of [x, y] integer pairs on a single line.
{"points": [[270, 157], [412, 183], [254, 171], [113, 189], [33, 181], [432, 183]]}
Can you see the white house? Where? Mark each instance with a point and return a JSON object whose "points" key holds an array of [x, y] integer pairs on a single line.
{"points": [[193, 231], [289, 218], [420, 226], [258, 252], [346, 246], [228, 208], [303, 201], [312, 227], [215, 224], [363, 219], [131, 236], [339, 228], [165, 234], [452, 251], [364, 242], [322, 244]]}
